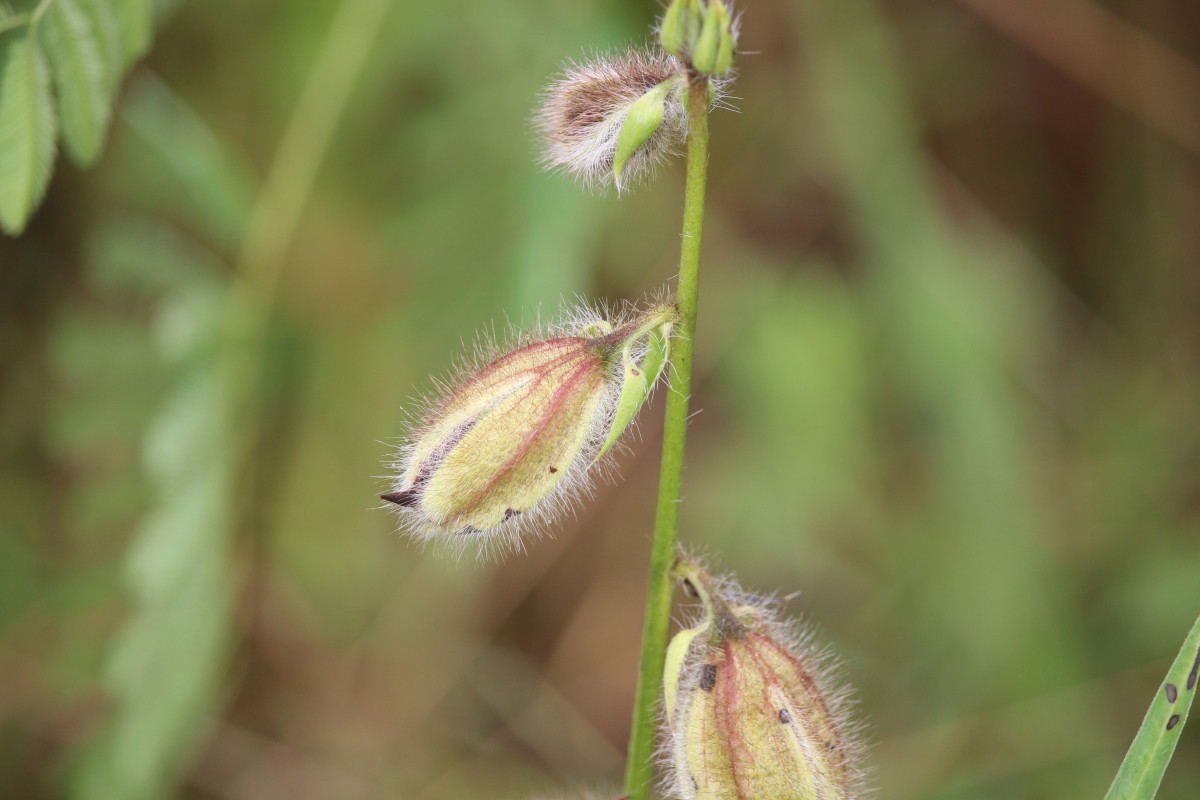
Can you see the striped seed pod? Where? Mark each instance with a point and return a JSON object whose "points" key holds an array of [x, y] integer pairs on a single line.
{"points": [[750, 711], [510, 445]]}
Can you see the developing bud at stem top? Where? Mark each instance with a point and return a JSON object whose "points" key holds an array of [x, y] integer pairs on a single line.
{"points": [[749, 715], [680, 26], [510, 444], [702, 34]]}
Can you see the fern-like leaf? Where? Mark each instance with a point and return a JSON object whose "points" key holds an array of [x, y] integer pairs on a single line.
{"points": [[103, 16], [27, 128], [136, 25], [80, 78], [166, 666]]}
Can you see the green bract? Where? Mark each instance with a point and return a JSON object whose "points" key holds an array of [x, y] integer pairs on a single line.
{"points": [[713, 53], [680, 26], [641, 122], [638, 382]]}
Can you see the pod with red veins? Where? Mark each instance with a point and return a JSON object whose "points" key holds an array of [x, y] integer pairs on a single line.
{"points": [[510, 444], [753, 715]]}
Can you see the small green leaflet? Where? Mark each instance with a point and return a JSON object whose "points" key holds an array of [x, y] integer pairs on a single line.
{"points": [[136, 26], [27, 128], [638, 382], [85, 46], [108, 41], [80, 78], [1142, 770]]}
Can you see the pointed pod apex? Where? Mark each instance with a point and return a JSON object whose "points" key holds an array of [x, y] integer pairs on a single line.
{"points": [[405, 499]]}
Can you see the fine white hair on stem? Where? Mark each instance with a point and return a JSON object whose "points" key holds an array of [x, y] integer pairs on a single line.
{"points": [[583, 109]]}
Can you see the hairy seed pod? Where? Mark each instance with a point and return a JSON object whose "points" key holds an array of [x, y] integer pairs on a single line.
{"points": [[511, 442], [750, 713], [612, 120]]}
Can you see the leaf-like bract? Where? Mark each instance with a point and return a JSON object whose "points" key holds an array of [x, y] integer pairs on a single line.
{"points": [[27, 128], [80, 78], [636, 386], [641, 123]]}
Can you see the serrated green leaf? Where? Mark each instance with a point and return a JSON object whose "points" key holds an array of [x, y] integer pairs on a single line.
{"points": [[79, 78], [103, 17], [27, 128], [636, 385], [642, 120], [135, 25], [1142, 770]]}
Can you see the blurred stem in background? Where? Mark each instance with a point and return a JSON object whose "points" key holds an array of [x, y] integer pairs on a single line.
{"points": [[639, 771]]}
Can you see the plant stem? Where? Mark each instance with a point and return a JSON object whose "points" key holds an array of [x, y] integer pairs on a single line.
{"points": [[639, 770]]}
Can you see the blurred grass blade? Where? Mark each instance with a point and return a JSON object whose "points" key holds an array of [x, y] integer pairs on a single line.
{"points": [[27, 128], [80, 78], [1142, 770]]}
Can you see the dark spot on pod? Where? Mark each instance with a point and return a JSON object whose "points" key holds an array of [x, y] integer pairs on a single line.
{"points": [[829, 745], [509, 513], [553, 470], [406, 499], [635, 372], [1191, 684], [1173, 721], [708, 677], [784, 716], [1172, 692], [689, 589], [470, 530], [695, 783]]}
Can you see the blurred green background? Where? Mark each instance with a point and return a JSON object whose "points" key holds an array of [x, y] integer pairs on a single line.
{"points": [[948, 377]]}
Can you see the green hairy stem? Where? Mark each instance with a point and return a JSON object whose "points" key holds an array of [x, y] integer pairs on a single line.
{"points": [[639, 771]]}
